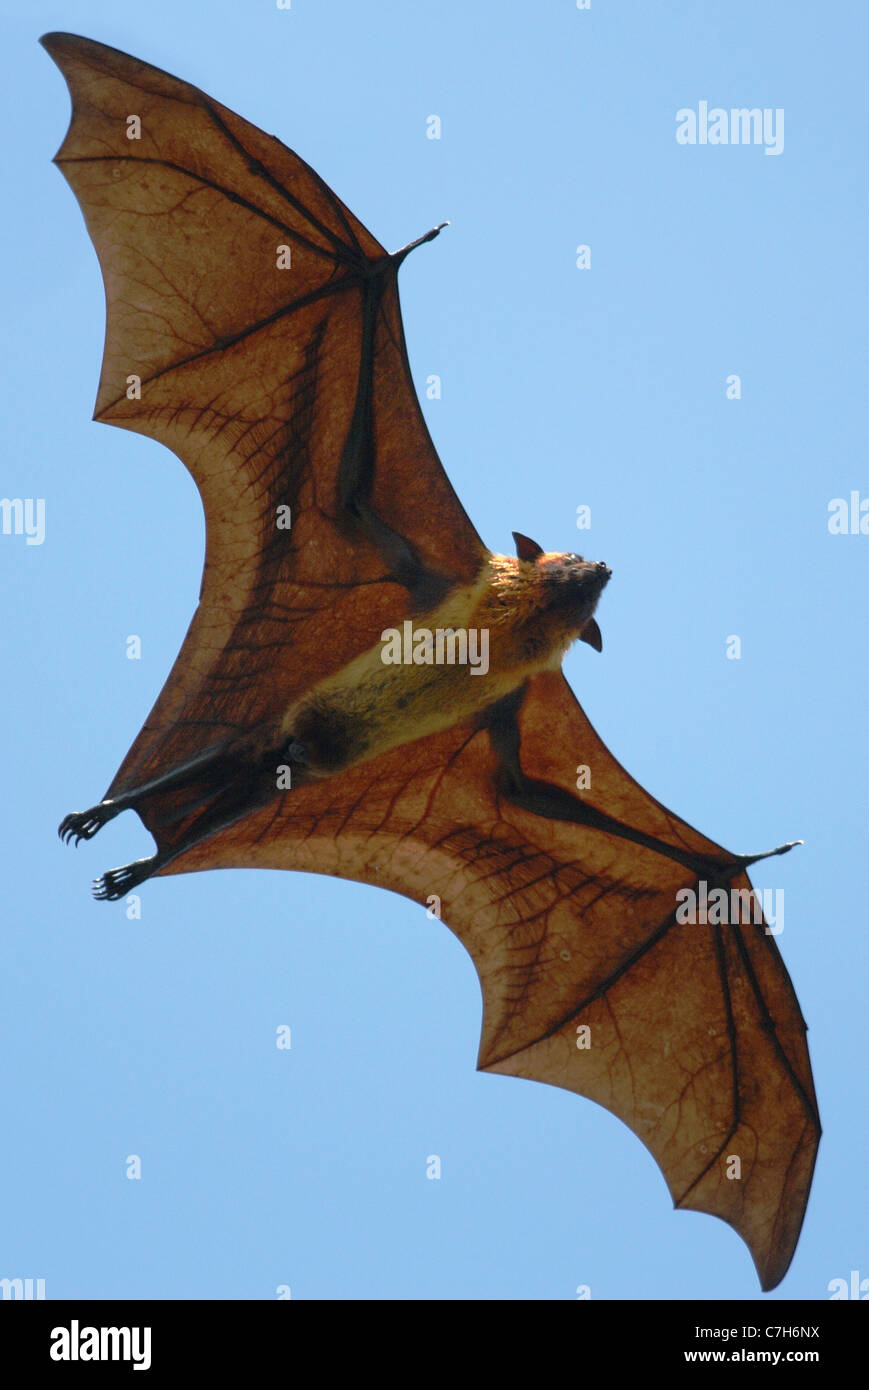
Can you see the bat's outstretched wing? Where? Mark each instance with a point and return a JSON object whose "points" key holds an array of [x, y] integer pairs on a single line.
{"points": [[696, 1037], [253, 327]]}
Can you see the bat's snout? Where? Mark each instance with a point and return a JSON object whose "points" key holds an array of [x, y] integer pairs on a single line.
{"points": [[575, 585], [593, 575]]}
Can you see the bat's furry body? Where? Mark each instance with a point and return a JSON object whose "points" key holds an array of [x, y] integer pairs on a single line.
{"points": [[530, 613], [283, 382]]}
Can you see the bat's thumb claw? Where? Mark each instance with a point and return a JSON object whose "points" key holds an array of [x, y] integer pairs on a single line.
{"points": [[749, 859]]}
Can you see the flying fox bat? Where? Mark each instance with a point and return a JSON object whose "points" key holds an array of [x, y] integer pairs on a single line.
{"points": [[331, 709]]}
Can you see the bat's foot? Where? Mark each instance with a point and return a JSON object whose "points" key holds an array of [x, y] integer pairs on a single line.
{"points": [[116, 882], [83, 825]]}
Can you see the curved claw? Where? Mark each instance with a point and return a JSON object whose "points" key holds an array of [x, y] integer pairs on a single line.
{"points": [[78, 826], [109, 886], [114, 883], [83, 825], [748, 859]]}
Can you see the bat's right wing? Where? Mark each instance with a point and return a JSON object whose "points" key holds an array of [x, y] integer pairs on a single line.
{"points": [[253, 327], [695, 1037]]}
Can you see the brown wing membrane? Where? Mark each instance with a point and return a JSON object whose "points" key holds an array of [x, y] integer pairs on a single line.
{"points": [[697, 1041], [250, 374]]}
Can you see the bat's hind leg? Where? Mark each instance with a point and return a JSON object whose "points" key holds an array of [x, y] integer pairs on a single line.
{"points": [[212, 768], [226, 788], [223, 812]]}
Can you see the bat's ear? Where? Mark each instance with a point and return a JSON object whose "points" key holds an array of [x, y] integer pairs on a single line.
{"points": [[526, 549], [591, 634]]}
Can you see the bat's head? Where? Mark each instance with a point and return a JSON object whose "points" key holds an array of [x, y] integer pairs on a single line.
{"points": [[574, 585], [569, 587]]}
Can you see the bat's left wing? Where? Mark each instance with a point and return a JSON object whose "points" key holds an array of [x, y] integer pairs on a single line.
{"points": [[694, 1035]]}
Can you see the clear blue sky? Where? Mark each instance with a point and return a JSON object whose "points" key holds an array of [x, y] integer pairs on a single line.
{"points": [[560, 387]]}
